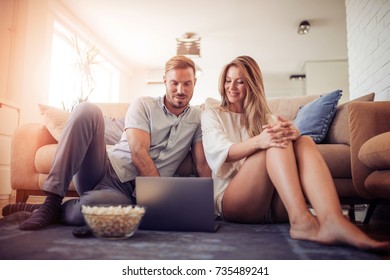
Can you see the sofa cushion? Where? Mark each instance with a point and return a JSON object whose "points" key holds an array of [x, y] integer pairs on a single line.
{"points": [[339, 128], [314, 118], [337, 158], [378, 183], [375, 152], [44, 158], [55, 119]]}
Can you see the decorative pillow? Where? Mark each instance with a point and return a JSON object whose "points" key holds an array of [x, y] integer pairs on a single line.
{"points": [[55, 119], [375, 152], [314, 118]]}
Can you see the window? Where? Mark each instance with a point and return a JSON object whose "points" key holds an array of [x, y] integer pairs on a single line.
{"points": [[79, 72]]}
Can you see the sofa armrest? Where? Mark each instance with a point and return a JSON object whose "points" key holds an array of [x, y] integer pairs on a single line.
{"points": [[27, 139], [366, 120]]}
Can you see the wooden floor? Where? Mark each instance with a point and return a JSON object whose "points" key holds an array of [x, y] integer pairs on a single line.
{"points": [[378, 228]]}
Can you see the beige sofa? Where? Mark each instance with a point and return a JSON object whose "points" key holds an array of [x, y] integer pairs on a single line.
{"points": [[33, 148]]}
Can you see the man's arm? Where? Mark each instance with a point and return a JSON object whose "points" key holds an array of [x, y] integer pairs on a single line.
{"points": [[200, 160], [139, 143]]}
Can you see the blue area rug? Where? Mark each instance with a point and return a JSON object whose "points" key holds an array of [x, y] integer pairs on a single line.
{"points": [[231, 241]]}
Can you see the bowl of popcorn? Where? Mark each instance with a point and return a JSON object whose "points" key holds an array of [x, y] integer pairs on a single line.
{"points": [[113, 221]]}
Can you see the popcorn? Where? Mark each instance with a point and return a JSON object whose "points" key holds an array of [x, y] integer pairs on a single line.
{"points": [[116, 222], [113, 210]]}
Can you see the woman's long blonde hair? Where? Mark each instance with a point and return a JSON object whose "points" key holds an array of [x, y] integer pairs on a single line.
{"points": [[256, 110]]}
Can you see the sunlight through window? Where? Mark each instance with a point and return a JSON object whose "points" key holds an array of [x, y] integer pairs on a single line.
{"points": [[79, 72]]}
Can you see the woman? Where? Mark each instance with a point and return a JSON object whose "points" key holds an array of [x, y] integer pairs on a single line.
{"points": [[264, 170]]}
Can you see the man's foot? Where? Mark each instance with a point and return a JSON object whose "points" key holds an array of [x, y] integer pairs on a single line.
{"points": [[18, 207], [47, 214], [15, 219]]}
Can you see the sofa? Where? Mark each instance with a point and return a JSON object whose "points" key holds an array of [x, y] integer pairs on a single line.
{"points": [[370, 152], [34, 144]]}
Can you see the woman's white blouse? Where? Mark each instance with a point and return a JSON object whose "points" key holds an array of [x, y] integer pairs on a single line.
{"points": [[221, 129]]}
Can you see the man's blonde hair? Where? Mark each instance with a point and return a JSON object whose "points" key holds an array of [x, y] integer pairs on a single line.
{"points": [[179, 62], [256, 110]]}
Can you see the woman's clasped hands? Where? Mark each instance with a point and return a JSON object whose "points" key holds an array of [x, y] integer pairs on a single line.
{"points": [[278, 133]]}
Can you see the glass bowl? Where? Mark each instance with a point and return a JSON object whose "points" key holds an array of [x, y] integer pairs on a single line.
{"points": [[113, 221]]}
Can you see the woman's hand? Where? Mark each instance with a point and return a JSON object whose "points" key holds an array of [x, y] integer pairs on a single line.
{"points": [[291, 126], [277, 134]]}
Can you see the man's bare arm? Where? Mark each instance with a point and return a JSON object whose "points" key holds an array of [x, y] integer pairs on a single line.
{"points": [[139, 143]]}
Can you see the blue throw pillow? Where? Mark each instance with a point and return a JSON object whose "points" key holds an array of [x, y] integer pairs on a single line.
{"points": [[314, 118]]}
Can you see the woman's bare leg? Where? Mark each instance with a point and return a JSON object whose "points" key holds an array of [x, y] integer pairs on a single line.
{"points": [[319, 188], [252, 192], [283, 171], [248, 197]]}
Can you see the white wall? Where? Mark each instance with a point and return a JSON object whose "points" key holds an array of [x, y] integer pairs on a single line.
{"points": [[327, 76], [27, 50], [368, 35], [281, 86]]}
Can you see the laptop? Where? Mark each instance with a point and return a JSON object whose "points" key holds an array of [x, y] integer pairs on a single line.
{"points": [[176, 203]]}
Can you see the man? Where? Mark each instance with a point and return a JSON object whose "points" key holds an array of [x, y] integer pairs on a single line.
{"points": [[159, 132]]}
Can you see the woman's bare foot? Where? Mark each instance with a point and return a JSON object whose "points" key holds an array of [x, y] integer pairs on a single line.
{"points": [[305, 227], [342, 231]]}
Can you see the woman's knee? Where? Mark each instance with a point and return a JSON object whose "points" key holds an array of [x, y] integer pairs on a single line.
{"points": [[305, 147], [304, 142]]}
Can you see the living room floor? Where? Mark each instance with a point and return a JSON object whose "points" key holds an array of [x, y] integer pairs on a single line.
{"points": [[379, 226]]}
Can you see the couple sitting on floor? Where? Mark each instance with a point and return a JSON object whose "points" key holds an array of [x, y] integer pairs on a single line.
{"points": [[263, 170]]}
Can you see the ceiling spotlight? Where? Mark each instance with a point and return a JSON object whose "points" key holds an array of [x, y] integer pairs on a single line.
{"points": [[188, 45], [304, 27]]}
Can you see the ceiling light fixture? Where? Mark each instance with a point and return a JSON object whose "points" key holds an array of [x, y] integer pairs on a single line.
{"points": [[304, 27], [188, 45], [298, 77]]}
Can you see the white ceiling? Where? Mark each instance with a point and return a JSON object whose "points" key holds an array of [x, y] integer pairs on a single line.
{"points": [[144, 32]]}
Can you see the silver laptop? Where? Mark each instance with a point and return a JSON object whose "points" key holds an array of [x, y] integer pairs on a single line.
{"points": [[176, 203]]}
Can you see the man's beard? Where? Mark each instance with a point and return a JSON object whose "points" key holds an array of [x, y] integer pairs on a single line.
{"points": [[179, 103]]}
